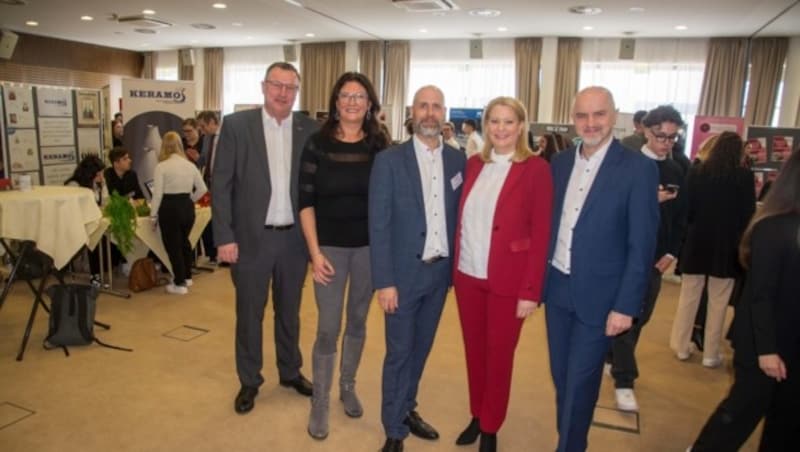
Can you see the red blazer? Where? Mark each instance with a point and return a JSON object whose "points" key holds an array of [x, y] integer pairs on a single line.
{"points": [[521, 230]]}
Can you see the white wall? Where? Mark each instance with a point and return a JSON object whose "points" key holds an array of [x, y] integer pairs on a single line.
{"points": [[791, 85]]}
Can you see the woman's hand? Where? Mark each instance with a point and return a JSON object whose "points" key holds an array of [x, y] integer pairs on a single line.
{"points": [[773, 366], [322, 268], [525, 308]]}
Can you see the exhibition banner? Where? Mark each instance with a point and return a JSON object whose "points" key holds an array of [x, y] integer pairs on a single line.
{"points": [[706, 126]]}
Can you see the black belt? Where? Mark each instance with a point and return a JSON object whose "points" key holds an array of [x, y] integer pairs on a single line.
{"points": [[273, 227], [433, 259]]}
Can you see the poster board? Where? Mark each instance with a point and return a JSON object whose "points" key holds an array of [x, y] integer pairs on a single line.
{"points": [[706, 126]]}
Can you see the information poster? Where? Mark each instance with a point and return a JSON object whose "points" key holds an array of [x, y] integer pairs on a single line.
{"points": [[769, 147], [705, 126], [54, 101], [58, 174], [58, 155], [23, 151], [19, 106], [89, 143], [88, 103], [56, 132]]}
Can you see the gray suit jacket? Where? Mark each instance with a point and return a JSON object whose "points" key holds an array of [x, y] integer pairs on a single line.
{"points": [[241, 187]]}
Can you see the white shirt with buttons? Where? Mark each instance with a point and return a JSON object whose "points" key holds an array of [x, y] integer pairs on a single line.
{"points": [[584, 172], [431, 172], [279, 155]]}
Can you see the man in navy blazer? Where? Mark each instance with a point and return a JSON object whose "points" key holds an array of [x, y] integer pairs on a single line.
{"points": [[413, 200], [605, 223]]}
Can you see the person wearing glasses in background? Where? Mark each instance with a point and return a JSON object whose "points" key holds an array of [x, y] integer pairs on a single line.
{"points": [[334, 180], [660, 128], [192, 141], [254, 211]]}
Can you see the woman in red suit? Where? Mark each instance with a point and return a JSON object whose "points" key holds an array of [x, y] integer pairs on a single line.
{"points": [[501, 247]]}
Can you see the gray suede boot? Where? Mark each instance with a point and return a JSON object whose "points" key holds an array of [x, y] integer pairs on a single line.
{"points": [[351, 356], [320, 401]]}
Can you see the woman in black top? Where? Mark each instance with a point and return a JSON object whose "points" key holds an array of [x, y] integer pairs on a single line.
{"points": [[721, 201], [765, 333], [334, 178], [89, 174]]}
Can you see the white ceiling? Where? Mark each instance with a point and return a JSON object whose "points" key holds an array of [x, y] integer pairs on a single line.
{"points": [[264, 22]]}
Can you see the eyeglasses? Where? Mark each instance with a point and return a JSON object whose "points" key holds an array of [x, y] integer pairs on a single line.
{"points": [[661, 138], [280, 86], [358, 98]]}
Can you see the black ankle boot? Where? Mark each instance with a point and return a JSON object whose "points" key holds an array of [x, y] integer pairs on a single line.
{"points": [[488, 442], [470, 434]]}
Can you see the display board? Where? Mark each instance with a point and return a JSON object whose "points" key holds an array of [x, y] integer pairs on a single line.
{"points": [[706, 126]]}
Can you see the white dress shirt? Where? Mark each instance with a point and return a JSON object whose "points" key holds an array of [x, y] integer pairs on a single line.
{"points": [[279, 155], [477, 218], [431, 172], [474, 144], [584, 171], [176, 175]]}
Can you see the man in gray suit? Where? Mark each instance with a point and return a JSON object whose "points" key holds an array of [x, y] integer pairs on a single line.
{"points": [[413, 200], [254, 211]]}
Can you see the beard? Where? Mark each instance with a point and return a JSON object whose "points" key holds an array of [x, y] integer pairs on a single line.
{"points": [[428, 131]]}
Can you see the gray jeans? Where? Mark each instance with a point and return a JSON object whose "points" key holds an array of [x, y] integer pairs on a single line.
{"points": [[352, 263]]}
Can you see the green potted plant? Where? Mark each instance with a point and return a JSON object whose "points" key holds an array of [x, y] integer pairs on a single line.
{"points": [[122, 221]]}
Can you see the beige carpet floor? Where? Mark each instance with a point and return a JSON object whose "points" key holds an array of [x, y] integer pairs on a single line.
{"points": [[175, 391]]}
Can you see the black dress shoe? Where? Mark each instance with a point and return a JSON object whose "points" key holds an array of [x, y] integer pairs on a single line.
{"points": [[420, 428], [392, 445], [488, 442], [470, 434], [300, 384], [245, 400]]}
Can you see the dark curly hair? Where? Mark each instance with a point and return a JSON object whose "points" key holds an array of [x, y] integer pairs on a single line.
{"points": [[374, 136], [86, 171]]}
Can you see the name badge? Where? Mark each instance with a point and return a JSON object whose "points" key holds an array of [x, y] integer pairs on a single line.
{"points": [[456, 181]]}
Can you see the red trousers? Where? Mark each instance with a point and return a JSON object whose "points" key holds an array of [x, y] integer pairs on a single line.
{"points": [[491, 330]]}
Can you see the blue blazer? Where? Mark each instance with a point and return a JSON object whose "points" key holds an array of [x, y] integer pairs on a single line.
{"points": [[614, 239], [397, 225]]}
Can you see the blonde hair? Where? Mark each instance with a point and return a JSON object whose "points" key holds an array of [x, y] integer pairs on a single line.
{"points": [[522, 151], [705, 147], [171, 143]]}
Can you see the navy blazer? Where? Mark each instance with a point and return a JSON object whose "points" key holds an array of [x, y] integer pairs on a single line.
{"points": [[614, 239], [397, 225]]}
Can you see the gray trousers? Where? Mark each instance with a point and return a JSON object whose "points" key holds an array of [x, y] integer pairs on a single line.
{"points": [[352, 264]]}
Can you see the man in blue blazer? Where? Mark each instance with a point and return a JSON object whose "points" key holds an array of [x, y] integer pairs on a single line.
{"points": [[413, 199], [605, 222]]}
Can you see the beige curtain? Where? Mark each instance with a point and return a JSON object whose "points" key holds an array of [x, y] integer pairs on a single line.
{"points": [[185, 72], [797, 116], [322, 64], [212, 78], [724, 77], [568, 72], [370, 63], [767, 56], [149, 65], [395, 85], [527, 60]]}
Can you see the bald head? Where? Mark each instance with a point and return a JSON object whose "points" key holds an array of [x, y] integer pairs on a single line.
{"points": [[428, 112], [597, 92], [594, 115]]}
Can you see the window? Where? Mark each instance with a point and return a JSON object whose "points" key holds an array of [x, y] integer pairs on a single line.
{"points": [[242, 73]]}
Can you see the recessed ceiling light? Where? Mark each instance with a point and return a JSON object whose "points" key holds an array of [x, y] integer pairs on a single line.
{"points": [[636, 9], [219, 6], [87, 18], [148, 12], [193, 41], [484, 12], [585, 10], [203, 26], [588, 28], [629, 33], [502, 29], [237, 24], [681, 27], [294, 3], [32, 23], [310, 35], [423, 30], [248, 38]]}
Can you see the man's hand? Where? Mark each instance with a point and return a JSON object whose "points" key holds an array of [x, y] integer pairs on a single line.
{"points": [[228, 252], [773, 366], [617, 323], [525, 308], [663, 264], [192, 154], [387, 297], [666, 195]]}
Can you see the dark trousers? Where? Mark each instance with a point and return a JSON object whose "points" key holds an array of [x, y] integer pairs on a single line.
{"points": [[755, 395], [623, 347], [208, 242], [409, 336], [577, 351], [176, 217], [277, 258]]}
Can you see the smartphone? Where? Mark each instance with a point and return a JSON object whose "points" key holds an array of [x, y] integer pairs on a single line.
{"points": [[672, 188]]}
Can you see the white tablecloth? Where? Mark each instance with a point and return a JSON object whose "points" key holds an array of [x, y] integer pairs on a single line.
{"points": [[59, 219]]}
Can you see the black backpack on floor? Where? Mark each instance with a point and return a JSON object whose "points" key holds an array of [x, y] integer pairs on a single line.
{"points": [[72, 310]]}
